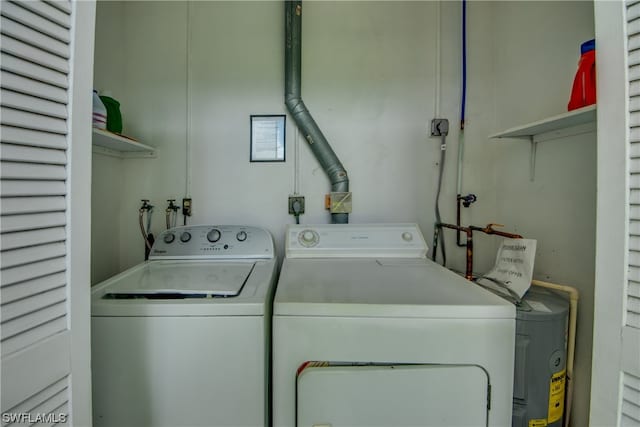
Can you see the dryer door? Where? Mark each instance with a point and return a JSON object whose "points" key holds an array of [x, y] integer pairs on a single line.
{"points": [[367, 395]]}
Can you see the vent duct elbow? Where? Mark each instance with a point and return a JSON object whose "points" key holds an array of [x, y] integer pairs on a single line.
{"points": [[304, 121]]}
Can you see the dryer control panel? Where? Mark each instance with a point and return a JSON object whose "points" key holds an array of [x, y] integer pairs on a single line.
{"points": [[213, 242], [355, 241]]}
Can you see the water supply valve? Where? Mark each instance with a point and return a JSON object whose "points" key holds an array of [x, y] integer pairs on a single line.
{"points": [[171, 211], [146, 206], [172, 207], [468, 200]]}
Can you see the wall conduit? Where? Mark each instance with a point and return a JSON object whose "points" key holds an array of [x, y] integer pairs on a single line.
{"points": [[293, 100]]}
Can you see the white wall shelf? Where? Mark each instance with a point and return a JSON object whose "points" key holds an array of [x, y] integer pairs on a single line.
{"points": [[557, 125], [576, 122], [111, 144]]}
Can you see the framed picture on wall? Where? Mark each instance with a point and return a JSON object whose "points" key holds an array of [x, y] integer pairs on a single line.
{"points": [[267, 138]]}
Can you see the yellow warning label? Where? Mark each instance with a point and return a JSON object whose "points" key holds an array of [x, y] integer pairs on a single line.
{"points": [[556, 396], [538, 423]]}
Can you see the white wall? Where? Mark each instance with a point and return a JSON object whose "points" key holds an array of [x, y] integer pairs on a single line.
{"points": [[106, 199], [373, 98], [369, 81], [537, 46], [479, 163]]}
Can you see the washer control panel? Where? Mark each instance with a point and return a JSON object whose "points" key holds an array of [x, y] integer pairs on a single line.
{"points": [[213, 242], [355, 240]]}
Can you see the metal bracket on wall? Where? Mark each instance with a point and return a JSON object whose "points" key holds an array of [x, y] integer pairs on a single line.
{"points": [[572, 123], [124, 155], [534, 140], [532, 164]]}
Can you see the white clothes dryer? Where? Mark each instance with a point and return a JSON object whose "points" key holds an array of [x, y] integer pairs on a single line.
{"points": [[184, 338], [368, 332]]}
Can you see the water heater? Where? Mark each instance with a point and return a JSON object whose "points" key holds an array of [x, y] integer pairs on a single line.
{"points": [[540, 359]]}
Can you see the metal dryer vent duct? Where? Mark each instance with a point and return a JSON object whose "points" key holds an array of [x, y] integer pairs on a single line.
{"points": [[292, 98]]}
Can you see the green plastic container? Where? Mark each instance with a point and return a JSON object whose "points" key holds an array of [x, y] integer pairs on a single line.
{"points": [[114, 117]]}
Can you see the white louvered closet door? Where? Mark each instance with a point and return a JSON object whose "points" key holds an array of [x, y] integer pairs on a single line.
{"points": [[36, 95], [630, 407]]}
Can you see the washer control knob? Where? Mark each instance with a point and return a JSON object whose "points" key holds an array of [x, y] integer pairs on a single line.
{"points": [[185, 237], [241, 236], [407, 237], [308, 238], [169, 238], [214, 235]]}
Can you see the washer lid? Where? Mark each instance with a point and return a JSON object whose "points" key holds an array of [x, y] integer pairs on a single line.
{"points": [[167, 280], [391, 287]]}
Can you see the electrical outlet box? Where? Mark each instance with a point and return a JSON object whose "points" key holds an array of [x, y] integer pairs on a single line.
{"points": [[439, 127], [186, 207], [292, 207]]}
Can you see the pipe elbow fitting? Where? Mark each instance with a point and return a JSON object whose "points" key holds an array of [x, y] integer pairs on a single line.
{"points": [[291, 101], [341, 186], [295, 105], [339, 176]]}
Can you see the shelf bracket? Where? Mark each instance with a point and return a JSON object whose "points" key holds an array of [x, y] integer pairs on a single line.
{"points": [[532, 160], [124, 155]]}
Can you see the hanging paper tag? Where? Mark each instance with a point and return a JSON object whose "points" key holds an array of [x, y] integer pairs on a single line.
{"points": [[514, 265]]}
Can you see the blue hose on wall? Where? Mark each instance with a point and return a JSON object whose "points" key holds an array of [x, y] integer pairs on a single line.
{"points": [[463, 103]]}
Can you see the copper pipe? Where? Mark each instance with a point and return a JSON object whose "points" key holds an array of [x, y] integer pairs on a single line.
{"points": [[469, 273], [469, 244], [490, 230]]}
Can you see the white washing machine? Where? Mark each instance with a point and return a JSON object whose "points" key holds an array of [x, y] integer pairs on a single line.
{"points": [[368, 332], [184, 338]]}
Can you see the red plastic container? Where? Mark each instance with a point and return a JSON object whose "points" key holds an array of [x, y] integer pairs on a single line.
{"points": [[584, 83]]}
